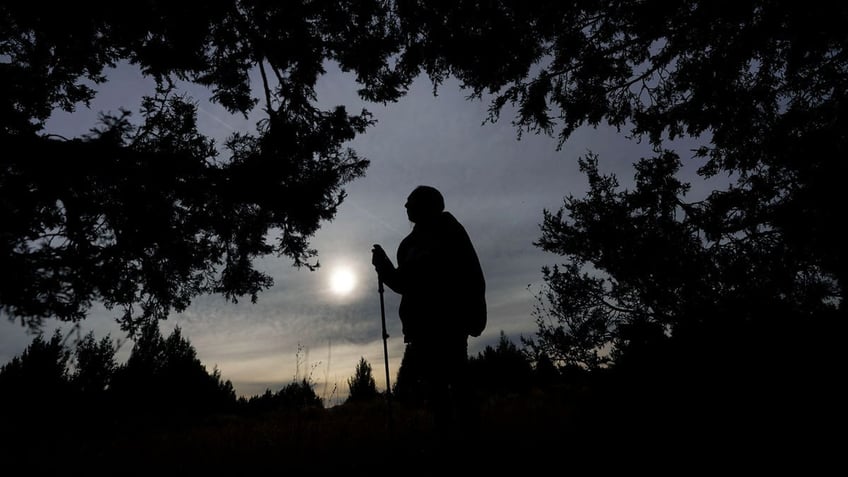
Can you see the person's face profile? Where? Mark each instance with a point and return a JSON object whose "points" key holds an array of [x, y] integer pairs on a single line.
{"points": [[411, 208]]}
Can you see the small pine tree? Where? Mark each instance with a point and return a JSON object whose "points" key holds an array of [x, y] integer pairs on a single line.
{"points": [[298, 395], [362, 385], [95, 365], [35, 381]]}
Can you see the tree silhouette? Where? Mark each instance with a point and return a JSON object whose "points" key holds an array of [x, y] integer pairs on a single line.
{"points": [[39, 374], [298, 395], [362, 385], [684, 322], [164, 376], [95, 365], [144, 217], [545, 373]]}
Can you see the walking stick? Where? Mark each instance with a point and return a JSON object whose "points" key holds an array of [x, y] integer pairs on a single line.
{"points": [[385, 349]]}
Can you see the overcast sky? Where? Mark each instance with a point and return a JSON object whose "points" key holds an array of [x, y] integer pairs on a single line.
{"points": [[495, 184]]}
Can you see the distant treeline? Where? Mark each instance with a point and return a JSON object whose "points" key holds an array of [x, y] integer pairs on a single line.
{"points": [[164, 378]]}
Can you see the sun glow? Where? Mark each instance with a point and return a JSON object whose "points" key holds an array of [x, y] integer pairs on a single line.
{"points": [[342, 281]]}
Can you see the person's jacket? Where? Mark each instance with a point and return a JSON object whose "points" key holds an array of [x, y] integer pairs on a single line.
{"points": [[440, 281]]}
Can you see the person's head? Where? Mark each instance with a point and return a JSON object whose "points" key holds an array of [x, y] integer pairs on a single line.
{"points": [[424, 203]]}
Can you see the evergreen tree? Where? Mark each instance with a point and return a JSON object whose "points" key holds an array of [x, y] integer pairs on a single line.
{"points": [[362, 385], [95, 365], [164, 375], [298, 395], [32, 384]]}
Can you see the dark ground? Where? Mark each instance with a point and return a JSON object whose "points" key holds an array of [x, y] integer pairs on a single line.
{"points": [[534, 434]]}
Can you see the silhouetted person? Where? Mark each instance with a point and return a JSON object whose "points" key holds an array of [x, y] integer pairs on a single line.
{"points": [[442, 288]]}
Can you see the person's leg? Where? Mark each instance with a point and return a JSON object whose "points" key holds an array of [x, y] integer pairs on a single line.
{"points": [[450, 387], [465, 409]]}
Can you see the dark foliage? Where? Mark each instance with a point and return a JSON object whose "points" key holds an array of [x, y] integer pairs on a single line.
{"points": [[502, 370], [31, 383], [146, 216], [362, 386], [163, 376], [95, 366], [297, 396]]}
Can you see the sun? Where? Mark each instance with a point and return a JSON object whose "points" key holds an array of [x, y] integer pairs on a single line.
{"points": [[342, 281]]}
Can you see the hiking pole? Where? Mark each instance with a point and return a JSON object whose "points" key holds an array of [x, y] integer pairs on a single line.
{"points": [[385, 348]]}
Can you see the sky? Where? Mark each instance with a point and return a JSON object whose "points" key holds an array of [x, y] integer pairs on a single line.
{"points": [[496, 185]]}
